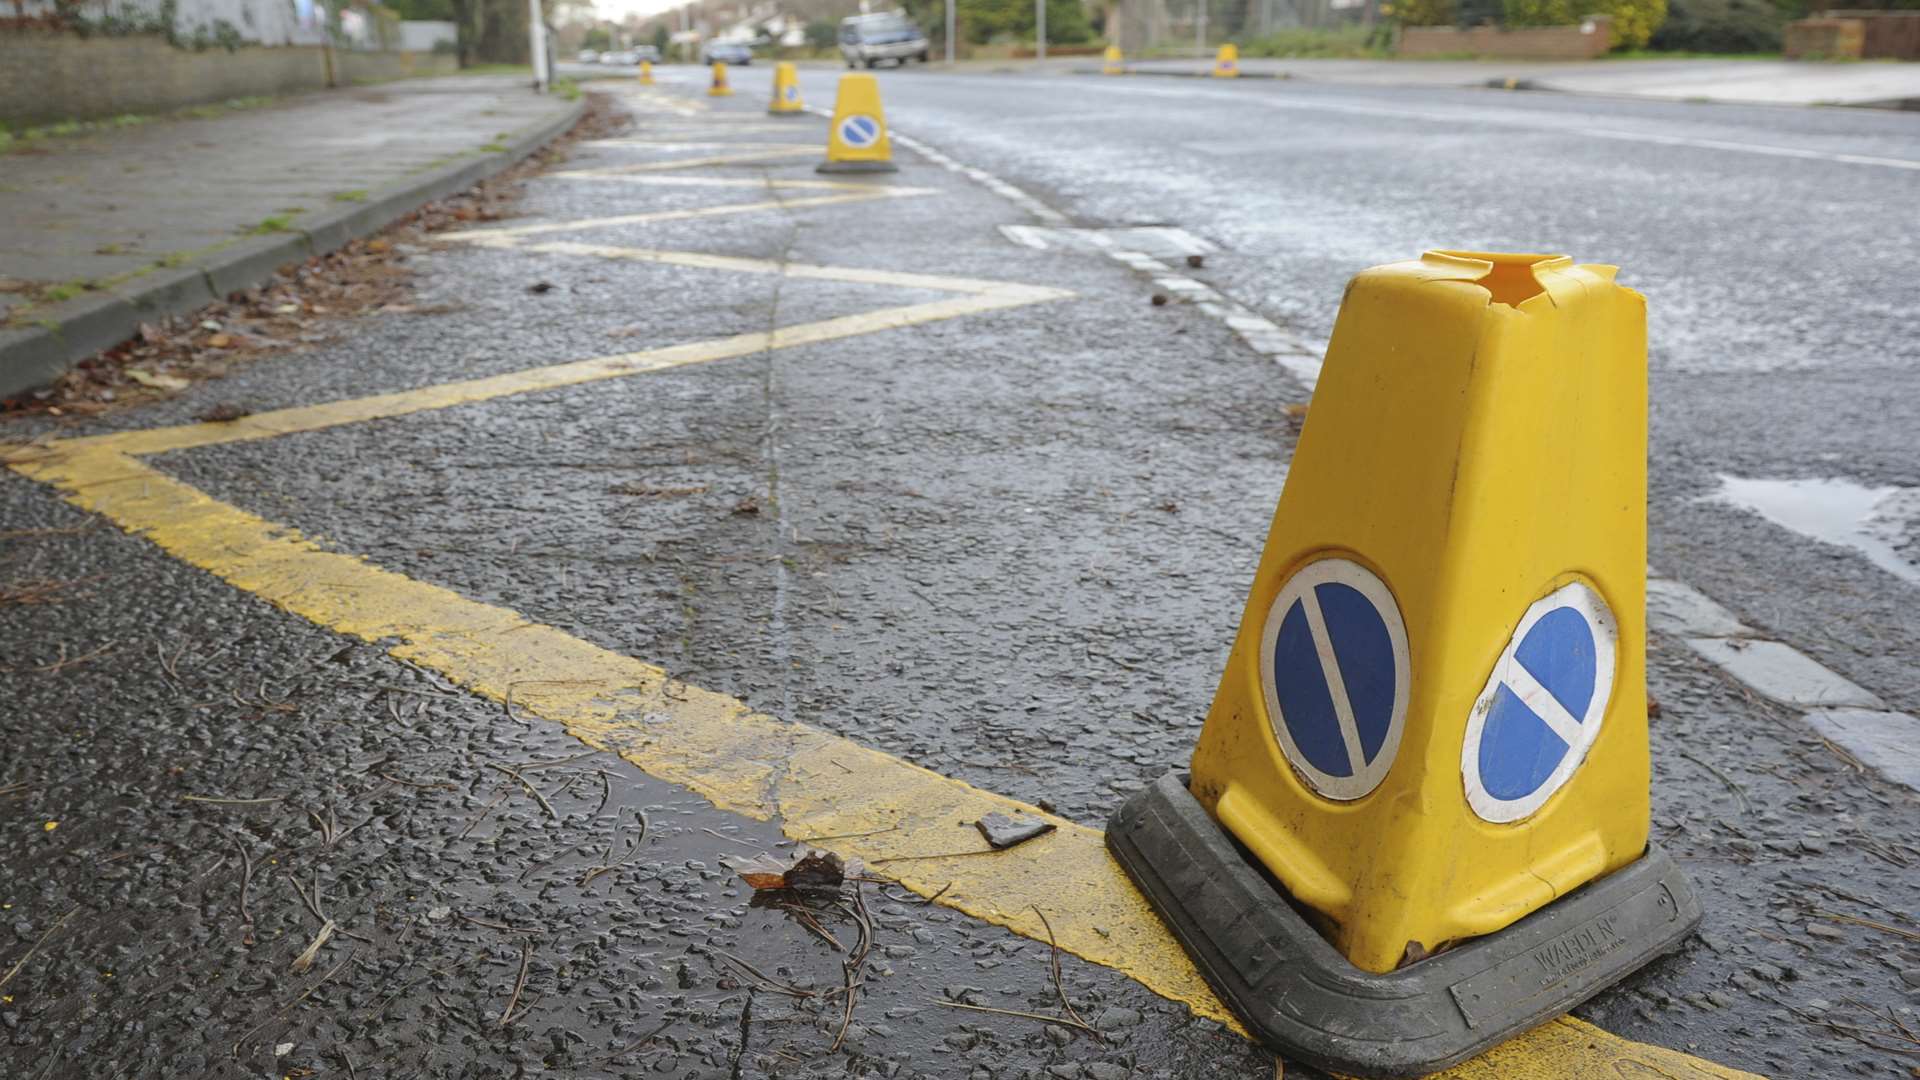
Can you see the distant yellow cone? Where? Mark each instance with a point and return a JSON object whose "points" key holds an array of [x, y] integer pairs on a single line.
{"points": [[857, 140], [646, 73], [1226, 65], [786, 92], [719, 87], [1115, 64]]}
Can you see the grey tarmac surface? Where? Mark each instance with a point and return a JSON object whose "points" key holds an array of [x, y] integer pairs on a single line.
{"points": [[1010, 548]]}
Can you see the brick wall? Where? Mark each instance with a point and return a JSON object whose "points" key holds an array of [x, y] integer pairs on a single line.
{"points": [[46, 77], [1887, 35], [1582, 42], [1823, 39]]}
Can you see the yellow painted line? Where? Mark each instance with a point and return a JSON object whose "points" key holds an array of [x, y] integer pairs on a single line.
{"points": [[903, 820], [783, 151], [267, 425], [701, 127], [662, 144], [657, 180], [679, 215], [701, 260]]}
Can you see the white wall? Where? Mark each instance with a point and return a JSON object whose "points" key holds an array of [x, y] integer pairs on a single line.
{"points": [[266, 22]]}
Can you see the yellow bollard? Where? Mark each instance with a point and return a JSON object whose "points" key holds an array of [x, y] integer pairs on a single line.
{"points": [[786, 92], [646, 73], [719, 87], [1433, 721], [1115, 63], [857, 139], [1226, 63]]}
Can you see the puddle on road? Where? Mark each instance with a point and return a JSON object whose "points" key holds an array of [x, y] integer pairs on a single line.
{"points": [[1868, 520]]}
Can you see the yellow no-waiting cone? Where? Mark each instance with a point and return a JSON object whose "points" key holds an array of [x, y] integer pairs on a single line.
{"points": [[857, 140], [1226, 65], [1115, 63], [1431, 734], [719, 87], [646, 73], [786, 91]]}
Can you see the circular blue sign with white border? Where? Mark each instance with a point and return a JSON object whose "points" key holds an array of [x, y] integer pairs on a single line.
{"points": [[792, 92], [1334, 668], [859, 131], [1542, 707]]}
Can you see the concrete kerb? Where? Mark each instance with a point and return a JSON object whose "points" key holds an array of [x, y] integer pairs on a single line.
{"points": [[36, 354], [1198, 73]]}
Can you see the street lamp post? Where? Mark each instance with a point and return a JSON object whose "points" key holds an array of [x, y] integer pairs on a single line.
{"points": [[537, 42], [950, 21], [1200, 27], [1040, 29]]}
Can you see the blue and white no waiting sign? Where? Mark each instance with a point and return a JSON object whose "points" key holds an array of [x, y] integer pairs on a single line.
{"points": [[859, 131], [1541, 711], [1333, 663], [792, 92]]}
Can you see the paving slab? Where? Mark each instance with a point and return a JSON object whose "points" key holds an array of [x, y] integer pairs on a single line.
{"points": [[100, 214]]}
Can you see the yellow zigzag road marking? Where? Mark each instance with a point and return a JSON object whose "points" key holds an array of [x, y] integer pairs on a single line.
{"points": [[765, 154], [975, 296], [485, 235], [669, 144], [825, 789], [764, 183]]}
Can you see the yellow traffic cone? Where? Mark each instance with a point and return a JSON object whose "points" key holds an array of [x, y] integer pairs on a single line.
{"points": [[1432, 728], [857, 140], [1115, 63], [786, 91], [719, 87], [646, 73], [1226, 64]]}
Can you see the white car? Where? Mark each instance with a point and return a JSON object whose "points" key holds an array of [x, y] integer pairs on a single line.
{"points": [[866, 40]]}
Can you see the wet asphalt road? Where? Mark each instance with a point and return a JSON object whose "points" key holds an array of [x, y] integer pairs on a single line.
{"points": [[1009, 548]]}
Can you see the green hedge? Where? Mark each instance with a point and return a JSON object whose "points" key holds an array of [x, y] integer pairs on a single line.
{"points": [[1721, 26], [1634, 21]]}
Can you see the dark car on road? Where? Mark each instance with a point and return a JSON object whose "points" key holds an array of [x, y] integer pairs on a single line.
{"points": [[726, 52]]}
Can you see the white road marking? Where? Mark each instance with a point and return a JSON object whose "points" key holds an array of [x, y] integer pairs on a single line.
{"points": [[1783, 673]]}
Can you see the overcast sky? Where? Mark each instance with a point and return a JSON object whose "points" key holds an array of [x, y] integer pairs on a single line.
{"points": [[617, 10]]}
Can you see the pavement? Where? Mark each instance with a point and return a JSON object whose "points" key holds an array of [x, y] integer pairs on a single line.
{"points": [[844, 514], [1884, 84], [119, 226]]}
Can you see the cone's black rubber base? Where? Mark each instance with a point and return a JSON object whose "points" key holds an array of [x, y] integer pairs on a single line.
{"points": [[856, 167], [787, 112], [1306, 1001]]}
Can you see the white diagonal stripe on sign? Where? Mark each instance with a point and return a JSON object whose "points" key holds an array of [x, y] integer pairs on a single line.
{"points": [[1541, 700], [1336, 685]]}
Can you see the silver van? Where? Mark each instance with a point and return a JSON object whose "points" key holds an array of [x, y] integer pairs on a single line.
{"points": [[866, 40]]}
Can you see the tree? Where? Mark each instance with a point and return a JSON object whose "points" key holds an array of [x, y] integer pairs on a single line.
{"points": [[982, 21], [597, 39], [662, 37], [822, 34], [431, 10], [491, 31]]}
